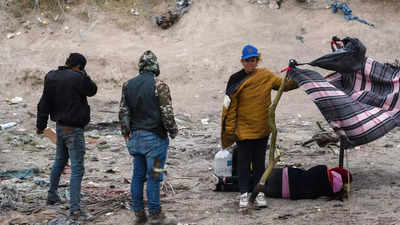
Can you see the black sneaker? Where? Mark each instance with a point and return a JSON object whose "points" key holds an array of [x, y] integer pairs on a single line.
{"points": [[159, 218], [53, 199], [141, 217], [79, 215]]}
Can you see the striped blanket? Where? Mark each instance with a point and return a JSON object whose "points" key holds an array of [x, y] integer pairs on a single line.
{"points": [[360, 107]]}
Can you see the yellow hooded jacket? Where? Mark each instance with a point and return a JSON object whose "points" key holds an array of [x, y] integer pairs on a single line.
{"points": [[246, 103]]}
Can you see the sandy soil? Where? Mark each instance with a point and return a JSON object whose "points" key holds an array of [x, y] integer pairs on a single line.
{"points": [[197, 56]]}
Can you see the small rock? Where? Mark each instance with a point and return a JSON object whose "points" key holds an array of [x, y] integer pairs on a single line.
{"points": [[16, 100], [10, 35], [134, 12], [115, 150], [205, 121], [94, 159], [273, 4]]}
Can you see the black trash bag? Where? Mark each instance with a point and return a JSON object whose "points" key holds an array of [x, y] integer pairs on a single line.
{"points": [[347, 59]]}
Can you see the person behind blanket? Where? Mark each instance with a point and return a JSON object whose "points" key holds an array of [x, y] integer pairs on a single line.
{"points": [[295, 183], [146, 117], [245, 118], [64, 98]]}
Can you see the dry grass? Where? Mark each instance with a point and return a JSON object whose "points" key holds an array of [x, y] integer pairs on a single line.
{"points": [[119, 11]]}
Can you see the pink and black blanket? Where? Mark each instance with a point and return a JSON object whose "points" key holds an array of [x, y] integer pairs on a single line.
{"points": [[362, 106]]}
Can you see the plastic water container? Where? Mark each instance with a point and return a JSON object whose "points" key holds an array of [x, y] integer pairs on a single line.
{"points": [[7, 125], [223, 163]]}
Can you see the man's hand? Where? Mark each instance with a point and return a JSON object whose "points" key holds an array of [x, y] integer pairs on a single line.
{"points": [[39, 131]]}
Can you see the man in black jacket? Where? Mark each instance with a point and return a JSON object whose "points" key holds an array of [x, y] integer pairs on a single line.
{"points": [[64, 98]]}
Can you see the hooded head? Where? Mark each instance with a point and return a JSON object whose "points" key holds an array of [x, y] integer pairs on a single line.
{"points": [[338, 177], [148, 63], [346, 175], [76, 59]]}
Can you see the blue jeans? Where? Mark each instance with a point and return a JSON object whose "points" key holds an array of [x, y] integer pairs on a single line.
{"points": [[146, 147], [70, 144]]}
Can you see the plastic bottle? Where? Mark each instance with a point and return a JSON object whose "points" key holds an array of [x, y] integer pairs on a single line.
{"points": [[223, 163], [7, 125]]}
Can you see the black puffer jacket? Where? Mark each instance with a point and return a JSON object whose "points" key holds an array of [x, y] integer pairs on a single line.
{"points": [[64, 98]]}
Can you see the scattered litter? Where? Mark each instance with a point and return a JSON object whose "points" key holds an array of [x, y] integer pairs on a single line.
{"points": [[115, 149], [112, 171], [59, 220], [93, 184], [94, 159], [44, 22], [262, 2], [348, 15], [126, 181], [40, 146], [41, 182], [66, 193], [10, 35], [168, 19], [109, 214], [134, 12], [64, 207], [9, 197], [105, 125], [7, 125], [275, 4], [91, 140], [14, 100], [20, 174], [300, 38], [204, 121]]}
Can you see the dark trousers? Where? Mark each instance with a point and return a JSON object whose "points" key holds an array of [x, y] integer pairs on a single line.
{"points": [[70, 145], [251, 152]]}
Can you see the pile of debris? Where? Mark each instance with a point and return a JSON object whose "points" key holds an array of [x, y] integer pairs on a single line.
{"points": [[9, 197], [273, 4], [168, 19]]}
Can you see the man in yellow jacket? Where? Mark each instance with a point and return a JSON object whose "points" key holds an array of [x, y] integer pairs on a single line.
{"points": [[245, 118]]}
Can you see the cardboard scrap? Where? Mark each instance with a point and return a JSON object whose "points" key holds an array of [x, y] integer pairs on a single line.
{"points": [[51, 134]]}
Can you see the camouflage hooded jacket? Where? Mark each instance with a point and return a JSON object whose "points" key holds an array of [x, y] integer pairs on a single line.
{"points": [[148, 63]]}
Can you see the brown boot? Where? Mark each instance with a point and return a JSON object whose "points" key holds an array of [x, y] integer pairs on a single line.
{"points": [[159, 218], [141, 217]]}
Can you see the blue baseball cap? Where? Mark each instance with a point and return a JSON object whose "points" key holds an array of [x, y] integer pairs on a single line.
{"points": [[249, 51]]}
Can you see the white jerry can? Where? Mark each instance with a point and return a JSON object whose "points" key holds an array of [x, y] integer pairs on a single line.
{"points": [[223, 163]]}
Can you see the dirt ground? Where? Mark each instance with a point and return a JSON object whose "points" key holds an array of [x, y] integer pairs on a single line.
{"points": [[197, 56]]}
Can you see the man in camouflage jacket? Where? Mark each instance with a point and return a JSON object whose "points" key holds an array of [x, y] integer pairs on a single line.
{"points": [[146, 117]]}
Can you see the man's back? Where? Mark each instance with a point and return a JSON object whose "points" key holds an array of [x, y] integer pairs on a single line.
{"points": [[64, 97], [144, 105]]}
